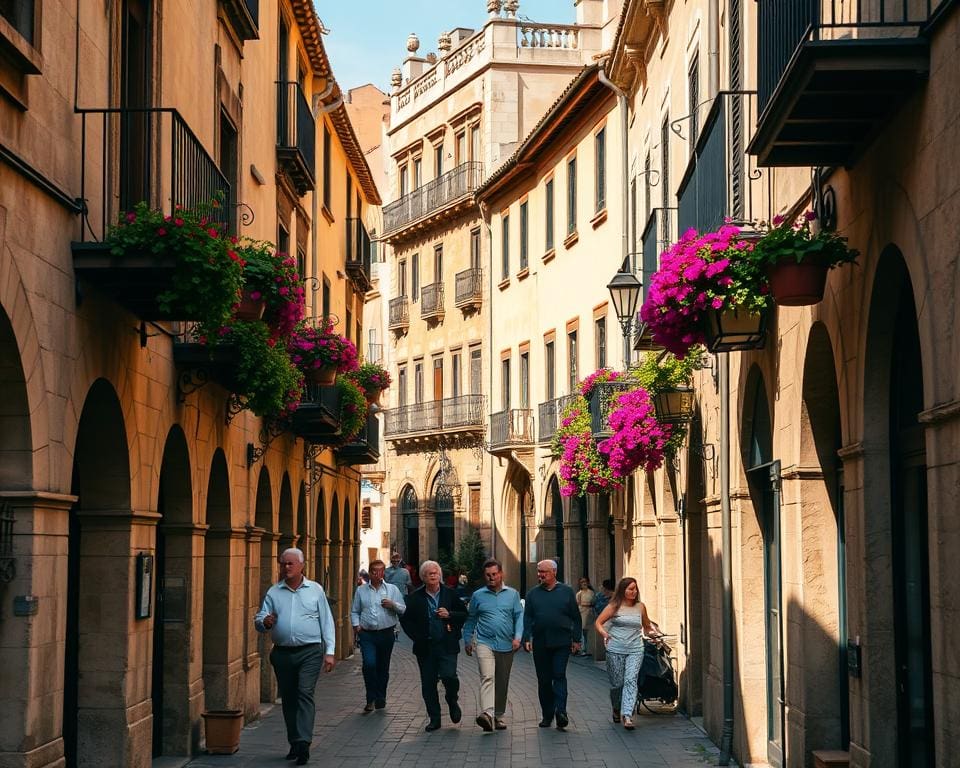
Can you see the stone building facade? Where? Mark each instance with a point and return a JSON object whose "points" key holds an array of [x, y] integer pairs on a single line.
{"points": [[141, 514]]}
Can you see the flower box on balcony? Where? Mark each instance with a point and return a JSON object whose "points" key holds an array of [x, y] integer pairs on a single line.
{"points": [[134, 280], [200, 363], [317, 417], [600, 402]]}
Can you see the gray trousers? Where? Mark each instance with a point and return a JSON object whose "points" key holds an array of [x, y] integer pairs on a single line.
{"points": [[297, 670]]}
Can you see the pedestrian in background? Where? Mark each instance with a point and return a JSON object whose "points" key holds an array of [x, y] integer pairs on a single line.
{"points": [[373, 615], [433, 620], [552, 630], [622, 625], [494, 628], [297, 615], [398, 575], [586, 597], [603, 596]]}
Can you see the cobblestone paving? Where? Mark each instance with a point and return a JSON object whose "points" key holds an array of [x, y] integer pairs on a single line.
{"points": [[395, 737]]}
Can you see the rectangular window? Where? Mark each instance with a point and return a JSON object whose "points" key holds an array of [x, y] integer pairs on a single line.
{"points": [[438, 378], [476, 369], [600, 333], [550, 369], [402, 385], [20, 14], [229, 157], [647, 197], [461, 148], [475, 143], [415, 277], [693, 96], [417, 172], [548, 205], [402, 279], [348, 324], [505, 247], [665, 162], [403, 180], [524, 245], [418, 382], [475, 249], [455, 374], [283, 238], [326, 167], [571, 195], [349, 197], [505, 383], [572, 353], [525, 380], [600, 171], [326, 298], [438, 160], [438, 263]]}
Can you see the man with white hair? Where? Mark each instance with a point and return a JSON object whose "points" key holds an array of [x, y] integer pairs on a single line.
{"points": [[433, 620], [552, 630], [296, 613]]}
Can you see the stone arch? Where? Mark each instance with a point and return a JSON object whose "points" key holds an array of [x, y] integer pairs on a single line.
{"points": [[409, 519], [16, 438], [551, 531], [223, 614], [321, 557], [576, 544], [176, 712], [101, 543], [304, 540], [269, 575], [285, 527], [438, 539], [517, 505]]}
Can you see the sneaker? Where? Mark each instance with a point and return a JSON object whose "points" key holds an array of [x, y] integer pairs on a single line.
{"points": [[562, 721], [499, 724], [485, 721]]}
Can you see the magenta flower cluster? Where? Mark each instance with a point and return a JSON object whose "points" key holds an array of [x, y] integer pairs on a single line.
{"points": [[582, 469], [311, 348], [697, 274], [638, 439], [599, 376]]}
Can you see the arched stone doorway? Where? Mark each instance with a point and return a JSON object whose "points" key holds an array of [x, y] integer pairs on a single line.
{"points": [[410, 523], [440, 541], [222, 596], [552, 528], [895, 521], [517, 508], [269, 575], [321, 553], [100, 550], [285, 528], [304, 541], [335, 587]]}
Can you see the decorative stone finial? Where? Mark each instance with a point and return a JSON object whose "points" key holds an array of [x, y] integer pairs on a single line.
{"points": [[493, 8], [444, 43], [512, 6], [413, 43], [396, 78]]}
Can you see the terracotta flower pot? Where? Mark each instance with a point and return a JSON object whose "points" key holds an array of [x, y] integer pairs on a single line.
{"points": [[222, 728], [325, 375], [797, 284], [250, 308], [373, 397]]}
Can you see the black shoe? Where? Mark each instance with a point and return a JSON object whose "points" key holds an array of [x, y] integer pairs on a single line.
{"points": [[380, 703], [546, 722], [562, 721], [455, 713], [484, 721], [303, 754], [292, 754], [433, 725], [368, 707]]}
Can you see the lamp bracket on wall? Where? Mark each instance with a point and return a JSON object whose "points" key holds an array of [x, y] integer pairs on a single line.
{"points": [[270, 431], [235, 404], [246, 214]]}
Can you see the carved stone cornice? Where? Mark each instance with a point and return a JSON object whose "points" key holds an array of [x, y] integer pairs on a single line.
{"points": [[940, 413]]}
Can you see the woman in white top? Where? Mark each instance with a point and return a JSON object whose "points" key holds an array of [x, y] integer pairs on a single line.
{"points": [[622, 625]]}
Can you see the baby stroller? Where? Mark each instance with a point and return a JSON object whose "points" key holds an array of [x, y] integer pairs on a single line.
{"points": [[656, 684]]}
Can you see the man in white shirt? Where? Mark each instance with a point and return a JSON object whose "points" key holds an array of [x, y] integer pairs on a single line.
{"points": [[296, 614], [376, 608]]}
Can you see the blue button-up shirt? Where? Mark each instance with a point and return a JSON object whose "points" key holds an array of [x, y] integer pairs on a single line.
{"points": [[437, 625], [495, 617], [366, 611], [303, 615]]}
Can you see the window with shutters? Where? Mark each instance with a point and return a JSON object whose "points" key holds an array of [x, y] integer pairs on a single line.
{"points": [[455, 374], [571, 195], [573, 375], [600, 169], [504, 247], [524, 236], [693, 97], [505, 383], [665, 162], [525, 380], [415, 277], [476, 369], [366, 517], [418, 382], [548, 205], [550, 369], [600, 334]]}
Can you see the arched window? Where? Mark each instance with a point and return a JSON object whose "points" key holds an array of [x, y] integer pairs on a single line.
{"points": [[442, 502], [409, 510]]}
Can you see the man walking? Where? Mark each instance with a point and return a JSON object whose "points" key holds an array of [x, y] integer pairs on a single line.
{"points": [[552, 629], [494, 628], [296, 613], [398, 575], [373, 615], [433, 620]]}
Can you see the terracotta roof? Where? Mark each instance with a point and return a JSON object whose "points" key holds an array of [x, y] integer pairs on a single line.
{"points": [[310, 30]]}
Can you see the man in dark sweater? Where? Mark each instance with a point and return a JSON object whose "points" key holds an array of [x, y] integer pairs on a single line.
{"points": [[552, 629]]}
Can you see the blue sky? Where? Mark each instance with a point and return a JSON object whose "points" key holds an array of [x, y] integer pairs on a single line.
{"points": [[368, 38]]}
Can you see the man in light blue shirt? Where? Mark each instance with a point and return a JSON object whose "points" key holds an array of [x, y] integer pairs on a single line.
{"points": [[376, 607], [296, 614], [494, 627]]}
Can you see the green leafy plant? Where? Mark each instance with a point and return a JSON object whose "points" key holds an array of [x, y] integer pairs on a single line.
{"points": [[353, 408], [468, 559], [208, 272], [657, 372], [795, 241], [371, 378], [267, 380], [582, 468], [272, 276], [312, 347]]}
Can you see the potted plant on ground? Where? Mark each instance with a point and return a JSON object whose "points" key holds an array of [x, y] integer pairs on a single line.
{"points": [[267, 379], [795, 259], [272, 277], [707, 291], [206, 275], [321, 353], [373, 379]]}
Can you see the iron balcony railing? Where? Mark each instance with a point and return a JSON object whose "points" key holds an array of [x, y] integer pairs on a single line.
{"points": [[358, 251], [783, 26], [452, 413], [431, 301], [550, 413], [296, 136], [511, 428], [151, 155], [399, 313], [717, 182], [469, 287], [601, 403], [658, 235], [374, 353], [432, 196]]}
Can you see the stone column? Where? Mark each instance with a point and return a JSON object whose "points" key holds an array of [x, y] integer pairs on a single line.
{"points": [[335, 590], [598, 528]]}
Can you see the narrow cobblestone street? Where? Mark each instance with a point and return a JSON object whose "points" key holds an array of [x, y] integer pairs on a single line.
{"points": [[395, 737]]}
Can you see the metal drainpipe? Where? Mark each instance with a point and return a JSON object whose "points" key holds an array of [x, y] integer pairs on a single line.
{"points": [[726, 737], [485, 215]]}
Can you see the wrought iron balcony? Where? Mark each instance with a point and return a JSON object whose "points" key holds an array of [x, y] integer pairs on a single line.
{"points": [[658, 235], [550, 413], [399, 314], [244, 17], [364, 448], [436, 199], [469, 288], [831, 73], [601, 403], [158, 160], [511, 429], [717, 182], [431, 301], [466, 413], [358, 254], [317, 418], [296, 136]]}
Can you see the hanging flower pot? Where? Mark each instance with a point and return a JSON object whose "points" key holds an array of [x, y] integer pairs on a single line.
{"points": [[250, 308], [735, 329], [325, 375], [222, 729], [797, 284]]}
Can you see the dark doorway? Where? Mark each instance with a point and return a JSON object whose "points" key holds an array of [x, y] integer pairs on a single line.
{"points": [[580, 506], [411, 526], [443, 517], [157, 687], [135, 99], [556, 507]]}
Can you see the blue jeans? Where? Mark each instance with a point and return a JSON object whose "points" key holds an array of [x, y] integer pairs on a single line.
{"points": [[551, 666], [376, 648]]}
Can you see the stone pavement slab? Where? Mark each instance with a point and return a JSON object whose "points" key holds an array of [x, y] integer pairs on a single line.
{"points": [[395, 737]]}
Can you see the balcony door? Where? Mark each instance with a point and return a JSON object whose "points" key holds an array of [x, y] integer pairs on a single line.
{"points": [[136, 53]]}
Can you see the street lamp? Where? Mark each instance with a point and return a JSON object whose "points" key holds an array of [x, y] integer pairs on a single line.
{"points": [[625, 294]]}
